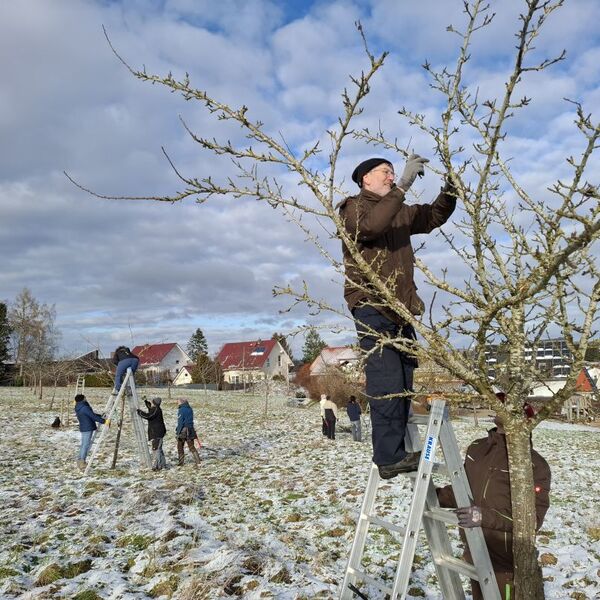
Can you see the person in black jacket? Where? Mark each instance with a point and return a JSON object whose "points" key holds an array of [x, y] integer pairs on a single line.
{"points": [[124, 359], [353, 410], [156, 432]]}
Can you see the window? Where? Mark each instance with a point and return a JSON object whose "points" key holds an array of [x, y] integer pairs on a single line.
{"points": [[279, 360], [258, 351]]}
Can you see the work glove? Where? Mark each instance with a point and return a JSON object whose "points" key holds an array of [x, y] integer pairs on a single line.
{"points": [[415, 165], [107, 422], [469, 516], [148, 405]]}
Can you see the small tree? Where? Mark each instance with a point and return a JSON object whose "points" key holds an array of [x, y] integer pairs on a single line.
{"points": [[197, 345], [313, 344], [206, 370]]}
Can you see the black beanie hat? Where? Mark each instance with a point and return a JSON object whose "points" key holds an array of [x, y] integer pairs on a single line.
{"points": [[365, 167], [79, 398]]}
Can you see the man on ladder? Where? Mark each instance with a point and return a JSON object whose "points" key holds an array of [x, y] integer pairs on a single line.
{"points": [[381, 223]]}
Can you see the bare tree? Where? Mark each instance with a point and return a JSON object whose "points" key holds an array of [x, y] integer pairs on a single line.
{"points": [[530, 256]]}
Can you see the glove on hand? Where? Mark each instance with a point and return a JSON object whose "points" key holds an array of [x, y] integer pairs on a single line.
{"points": [[414, 166], [147, 403], [107, 422], [469, 516]]}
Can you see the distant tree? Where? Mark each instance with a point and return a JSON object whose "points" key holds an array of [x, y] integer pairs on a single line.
{"points": [[313, 344], [33, 333], [197, 345], [284, 343], [4, 337], [206, 370]]}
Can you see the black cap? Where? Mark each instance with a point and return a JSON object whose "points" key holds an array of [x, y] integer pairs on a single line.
{"points": [[79, 397], [365, 167]]}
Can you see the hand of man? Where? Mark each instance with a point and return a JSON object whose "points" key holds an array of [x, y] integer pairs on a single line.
{"points": [[469, 516], [107, 422], [147, 403], [414, 166]]}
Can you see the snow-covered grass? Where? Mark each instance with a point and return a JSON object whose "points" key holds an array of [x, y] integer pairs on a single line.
{"points": [[269, 514]]}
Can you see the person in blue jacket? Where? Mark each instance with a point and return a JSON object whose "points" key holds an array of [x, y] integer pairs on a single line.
{"points": [[185, 431], [353, 410], [87, 426]]}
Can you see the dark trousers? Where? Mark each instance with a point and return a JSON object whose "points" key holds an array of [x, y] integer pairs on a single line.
{"points": [[331, 428], [324, 426], [192, 449], [387, 372], [126, 363]]}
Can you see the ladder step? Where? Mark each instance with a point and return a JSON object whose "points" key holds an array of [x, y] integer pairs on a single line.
{"points": [[369, 579], [442, 514], [439, 468], [386, 524], [459, 566]]}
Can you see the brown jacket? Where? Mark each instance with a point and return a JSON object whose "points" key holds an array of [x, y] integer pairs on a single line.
{"points": [[486, 465], [382, 226]]}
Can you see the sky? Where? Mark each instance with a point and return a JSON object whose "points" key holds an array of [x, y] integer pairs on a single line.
{"points": [[141, 272]]}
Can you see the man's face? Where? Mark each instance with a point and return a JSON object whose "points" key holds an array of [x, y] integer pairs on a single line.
{"points": [[380, 179]]}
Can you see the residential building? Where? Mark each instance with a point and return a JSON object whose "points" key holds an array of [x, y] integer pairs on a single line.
{"points": [[161, 361], [343, 357], [248, 362], [184, 376], [552, 357]]}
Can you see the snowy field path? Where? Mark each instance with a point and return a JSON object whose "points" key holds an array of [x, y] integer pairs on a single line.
{"points": [[269, 514]]}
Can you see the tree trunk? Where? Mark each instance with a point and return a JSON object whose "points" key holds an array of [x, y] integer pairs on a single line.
{"points": [[528, 575]]}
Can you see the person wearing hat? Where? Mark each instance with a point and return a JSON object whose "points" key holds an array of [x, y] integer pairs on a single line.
{"points": [[381, 224], [156, 432], [486, 466], [87, 419]]}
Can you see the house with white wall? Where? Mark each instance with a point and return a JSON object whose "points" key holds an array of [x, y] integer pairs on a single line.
{"points": [[161, 360], [184, 376], [342, 357], [248, 362]]}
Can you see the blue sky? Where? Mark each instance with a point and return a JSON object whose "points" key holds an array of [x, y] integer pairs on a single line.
{"points": [[142, 272]]}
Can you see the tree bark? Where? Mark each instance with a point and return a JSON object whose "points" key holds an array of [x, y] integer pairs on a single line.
{"points": [[528, 575]]}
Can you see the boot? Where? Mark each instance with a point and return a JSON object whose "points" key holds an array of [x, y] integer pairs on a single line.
{"points": [[81, 464]]}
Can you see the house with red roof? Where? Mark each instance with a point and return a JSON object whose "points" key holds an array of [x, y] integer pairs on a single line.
{"points": [[248, 362], [161, 361]]}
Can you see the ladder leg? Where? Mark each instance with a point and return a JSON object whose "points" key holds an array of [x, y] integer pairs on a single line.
{"points": [[138, 425], [360, 537]]}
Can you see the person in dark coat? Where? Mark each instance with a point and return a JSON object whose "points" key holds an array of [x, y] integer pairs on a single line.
{"points": [[486, 465], [156, 432], [124, 359], [87, 426], [185, 431], [354, 412], [381, 224]]}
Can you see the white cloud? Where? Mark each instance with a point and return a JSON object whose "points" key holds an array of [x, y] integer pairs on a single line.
{"points": [[68, 104]]}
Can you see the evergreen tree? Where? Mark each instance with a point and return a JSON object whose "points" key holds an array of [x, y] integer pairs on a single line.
{"points": [[197, 345], [313, 344], [284, 343], [4, 337]]}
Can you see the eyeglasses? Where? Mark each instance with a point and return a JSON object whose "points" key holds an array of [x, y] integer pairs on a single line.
{"points": [[385, 171]]}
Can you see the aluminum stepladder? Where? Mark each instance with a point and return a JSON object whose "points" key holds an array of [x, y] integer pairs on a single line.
{"points": [[425, 510], [136, 421], [80, 384]]}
